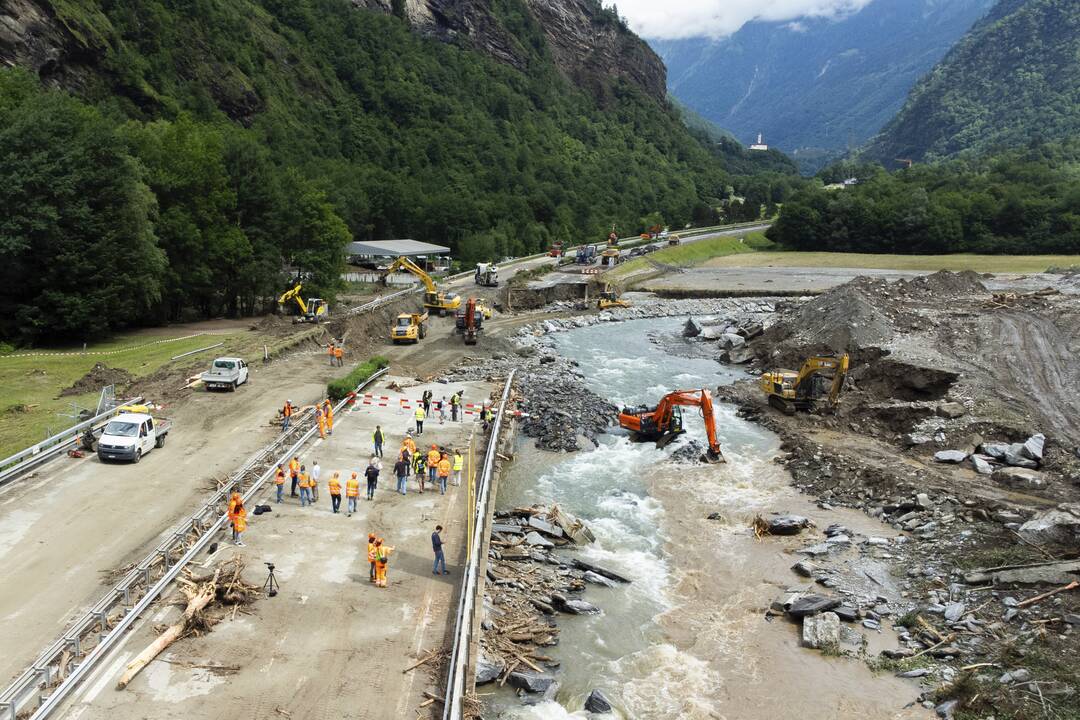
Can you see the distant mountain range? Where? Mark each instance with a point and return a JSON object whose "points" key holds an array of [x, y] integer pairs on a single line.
{"points": [[1014, 79], [817, 87]]}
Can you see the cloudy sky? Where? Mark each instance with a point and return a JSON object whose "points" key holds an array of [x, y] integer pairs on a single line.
{"points": [[670, 19]]}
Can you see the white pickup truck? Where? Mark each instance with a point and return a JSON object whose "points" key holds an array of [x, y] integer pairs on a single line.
{"points": [[130, 435], [227, 373]]}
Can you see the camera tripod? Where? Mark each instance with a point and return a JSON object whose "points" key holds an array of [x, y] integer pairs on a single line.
{"points": [[271, 586]]}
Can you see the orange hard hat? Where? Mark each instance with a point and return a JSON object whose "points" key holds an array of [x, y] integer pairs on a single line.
{"points": [[354, 475], [434, 446]]}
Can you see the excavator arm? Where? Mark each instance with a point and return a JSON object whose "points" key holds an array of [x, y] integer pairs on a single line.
{"points": [[838, 366], [661, 421], [294, 294], [404, 263]]}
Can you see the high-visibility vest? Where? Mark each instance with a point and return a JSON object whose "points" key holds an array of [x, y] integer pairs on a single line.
{"points": [[335, 485], [352, 487], [279, 477], [418, 462], [408, 443], [420, 414], [294, 467], [371, 552], [240, 521], [304, 482], [330, 349], [458, 461], [433, 458], [444, 467], [454, 399], [287, 410], [381, 555], [338, 352]]}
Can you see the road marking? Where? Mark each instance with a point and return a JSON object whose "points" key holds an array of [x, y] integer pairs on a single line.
{"points": [[105, 674]]}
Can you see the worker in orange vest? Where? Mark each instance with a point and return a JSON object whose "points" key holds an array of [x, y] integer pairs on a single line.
{"points": [[433, 458], [371, 554], [339, 353], [237, 517], [320, 418], [286, 414], [279, 482], [335, 491], [443, 470], [352, 492], [294, 472], [382, 557], [330, 352], [305, 487], [409, 444], [328, 411]]}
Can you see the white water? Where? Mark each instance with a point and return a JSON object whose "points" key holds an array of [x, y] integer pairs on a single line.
{"points": [[624, 651]]}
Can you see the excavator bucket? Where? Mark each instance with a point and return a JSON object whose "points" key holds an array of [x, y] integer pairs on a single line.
{"points": [[713, 457]]}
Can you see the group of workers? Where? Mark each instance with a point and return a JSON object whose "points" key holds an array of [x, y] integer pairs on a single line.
{"points": [[324, 416], [436, 464], [336, 353]]}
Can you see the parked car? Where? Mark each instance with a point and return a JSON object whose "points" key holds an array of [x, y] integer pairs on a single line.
{"points": [[227, 373], [130, 435]]}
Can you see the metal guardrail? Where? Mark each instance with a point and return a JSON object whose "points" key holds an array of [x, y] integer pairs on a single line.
{"points": [[188, 539], [460, 656], [31, 457], [379, 302]]}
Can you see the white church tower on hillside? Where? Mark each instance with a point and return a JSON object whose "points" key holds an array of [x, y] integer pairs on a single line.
{"points": [[760, 144]]}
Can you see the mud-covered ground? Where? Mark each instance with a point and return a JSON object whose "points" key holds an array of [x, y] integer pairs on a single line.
{"points": [[940, 363]]}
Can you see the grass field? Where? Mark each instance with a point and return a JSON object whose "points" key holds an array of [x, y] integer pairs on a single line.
{"points": [[978, 263], [688, 254], [31, 407]]}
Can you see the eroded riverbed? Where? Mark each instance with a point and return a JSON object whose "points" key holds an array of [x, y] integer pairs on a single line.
{"points": [[688, 638]]}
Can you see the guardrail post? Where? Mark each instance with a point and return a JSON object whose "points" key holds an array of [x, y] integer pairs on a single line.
{"points": [[9, 709]]}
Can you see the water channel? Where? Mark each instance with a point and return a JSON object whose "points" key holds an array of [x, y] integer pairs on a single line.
{"points": [[688, 638]]}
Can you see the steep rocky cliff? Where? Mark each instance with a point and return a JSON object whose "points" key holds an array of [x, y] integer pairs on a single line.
{"points": [[588, 44]]}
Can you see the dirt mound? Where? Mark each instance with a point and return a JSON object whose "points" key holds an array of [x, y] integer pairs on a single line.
{"points": [[98, 378], [942, 284]]}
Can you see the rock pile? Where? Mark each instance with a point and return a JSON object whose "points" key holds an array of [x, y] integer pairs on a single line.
{"points": [[528, 586], [1009, 463]]}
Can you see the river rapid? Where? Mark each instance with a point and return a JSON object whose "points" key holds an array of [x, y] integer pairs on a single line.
{"points": [[688, 638]]}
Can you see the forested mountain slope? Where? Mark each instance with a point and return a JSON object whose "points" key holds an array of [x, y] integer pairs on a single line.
{"points": [[1013, 80], [182, 153], [816, 83]]}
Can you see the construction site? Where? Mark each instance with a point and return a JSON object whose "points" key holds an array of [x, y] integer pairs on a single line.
{"points": [[684, 494]]}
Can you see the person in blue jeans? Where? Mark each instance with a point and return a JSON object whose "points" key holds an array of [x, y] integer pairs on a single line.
{"points": [[401, 469], [437, 547], [377, 438], [372, 475]]}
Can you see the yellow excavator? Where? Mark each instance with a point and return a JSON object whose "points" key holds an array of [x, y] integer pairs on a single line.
{"points": [[315, 310], [610, 299], [789, 391], [434, 299]]}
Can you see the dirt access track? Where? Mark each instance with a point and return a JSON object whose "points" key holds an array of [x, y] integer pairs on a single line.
{"points": [[69, 529]]}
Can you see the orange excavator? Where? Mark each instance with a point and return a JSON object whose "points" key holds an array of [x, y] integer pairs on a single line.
{"points": [[664, 422]]}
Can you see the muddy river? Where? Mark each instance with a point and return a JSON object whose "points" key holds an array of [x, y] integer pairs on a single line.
{"points": [[688, 638]]}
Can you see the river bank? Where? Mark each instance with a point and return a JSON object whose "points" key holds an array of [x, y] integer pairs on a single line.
{"points": [[691, 636]]}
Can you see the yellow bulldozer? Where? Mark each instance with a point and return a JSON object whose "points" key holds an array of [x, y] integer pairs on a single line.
{"points": [[820, 377]]}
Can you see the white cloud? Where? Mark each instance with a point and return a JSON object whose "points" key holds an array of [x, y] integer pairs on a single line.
{"points": [[670, 19]]}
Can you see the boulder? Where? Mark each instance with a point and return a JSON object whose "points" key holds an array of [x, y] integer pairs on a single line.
{"points": [[488, 668], [1015, 457], [916, 439], [531, 682], [545, 527], [950, 456], [1060, 525], [597, 579], [994, 450], [804, 568], [537, 540], [923, 501], [788, 524], [508, 529], [954, 611], [982, 465], [579, 607], [951, 410], [712, 332], [752, 330], [1018, 477], [691, 329], [821, 631], [737, 356], [807, 605], [611, 575], [1015, 676], [1033, 447], [972, 443], [846, 613], [730, 341], [597, 702]]}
